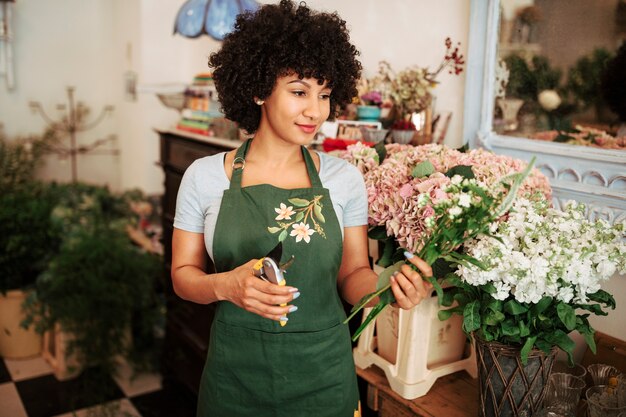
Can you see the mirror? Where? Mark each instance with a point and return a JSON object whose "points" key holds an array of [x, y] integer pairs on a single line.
{"points": [[594, 175], [557, 72]]}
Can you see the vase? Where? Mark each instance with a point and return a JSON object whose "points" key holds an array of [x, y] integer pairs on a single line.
{"points": [[510, 107], [402, 137], [368, 113], [507, 388], [15, 341]]}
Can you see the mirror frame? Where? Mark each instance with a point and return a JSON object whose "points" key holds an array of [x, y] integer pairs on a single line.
{"points": [[594, 176]]}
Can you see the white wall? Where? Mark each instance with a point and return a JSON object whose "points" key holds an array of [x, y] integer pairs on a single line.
{"points": [[84, 43]]}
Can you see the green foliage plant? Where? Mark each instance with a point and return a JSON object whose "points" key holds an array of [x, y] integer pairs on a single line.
{"points": [[585, 78], [99, 287], [527, 80], [27, 235]]}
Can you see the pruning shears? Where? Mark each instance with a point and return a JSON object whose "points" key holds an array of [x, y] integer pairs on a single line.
{"points": [[271, 270]]}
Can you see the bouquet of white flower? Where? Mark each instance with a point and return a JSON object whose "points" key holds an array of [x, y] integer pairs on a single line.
{"points": [[541, 266]]}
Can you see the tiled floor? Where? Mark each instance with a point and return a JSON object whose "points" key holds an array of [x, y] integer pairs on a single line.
{"points": [[28, 388]]}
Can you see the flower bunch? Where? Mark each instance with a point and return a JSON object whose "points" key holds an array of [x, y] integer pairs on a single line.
{"points": [[583, 136], [372, 98], [363, 157], [540, 265], [462, 210], [394, 191], [410, 89]]}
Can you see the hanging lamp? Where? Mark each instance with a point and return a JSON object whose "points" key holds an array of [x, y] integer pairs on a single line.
{"points": [[216, 18]]}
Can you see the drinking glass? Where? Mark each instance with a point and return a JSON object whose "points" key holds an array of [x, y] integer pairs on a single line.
{"points": [[604, 401], [563, 393], [600, 373]]}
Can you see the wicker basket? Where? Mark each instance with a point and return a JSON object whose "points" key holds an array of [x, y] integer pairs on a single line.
{"points": [[506, 387]]}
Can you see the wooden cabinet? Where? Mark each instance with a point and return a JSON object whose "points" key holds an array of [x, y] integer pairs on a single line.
{"points": [[187, 324]]}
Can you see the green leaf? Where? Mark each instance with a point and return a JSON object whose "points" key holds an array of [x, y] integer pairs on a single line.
{"points": [[541, 306], [385, 275], [562, 340], [441, 297], [371, 316], [493, 318], [567, 315], [300, 216], [471, 317], [441, 268], [509, 328], [386, 258], [423, 169], [299, 202], [283, 235], [591, 341], [444, 314], [524, 330], [544, 345], [274, 229], [377, 233], [517, 180], [463, 149], [603, 297], [528, 345], [381, 151], [464, 171], [594, 308], [317, 210], [514, 307], [489, 288]]}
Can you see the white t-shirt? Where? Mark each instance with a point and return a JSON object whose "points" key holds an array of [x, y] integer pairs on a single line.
{"points": [[201, 189]]}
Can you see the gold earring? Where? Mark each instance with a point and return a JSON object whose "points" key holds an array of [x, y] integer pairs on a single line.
{"points": [[258, 101]]}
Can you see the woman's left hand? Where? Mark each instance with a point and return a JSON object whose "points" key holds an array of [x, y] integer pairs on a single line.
{"points": [[408, 286]]}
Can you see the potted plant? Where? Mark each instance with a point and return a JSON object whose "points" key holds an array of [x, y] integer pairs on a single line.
{"points": [[540, 279], [99, 288], [27, 240], [585, 79], [369, 109], [402, 131]]}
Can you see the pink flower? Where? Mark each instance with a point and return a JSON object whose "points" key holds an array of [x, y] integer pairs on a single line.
{"points": [[406, 190], [284, 212], [302, 232]]}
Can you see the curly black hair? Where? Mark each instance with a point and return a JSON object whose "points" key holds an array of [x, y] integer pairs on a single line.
{"points": [[279, 40]]}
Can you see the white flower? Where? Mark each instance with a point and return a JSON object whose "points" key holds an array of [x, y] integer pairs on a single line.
{"points": [[465, 200], [455, 211], [547, 252], [301, 231], [606, 268], [549, 100], [456, 179], [284, 212]]}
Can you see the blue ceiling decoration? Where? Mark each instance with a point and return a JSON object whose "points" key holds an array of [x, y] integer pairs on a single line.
{"points": [[215, 18]]}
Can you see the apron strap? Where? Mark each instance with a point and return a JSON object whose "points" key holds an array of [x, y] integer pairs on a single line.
{"points": [[310, 168], [240, 162]]}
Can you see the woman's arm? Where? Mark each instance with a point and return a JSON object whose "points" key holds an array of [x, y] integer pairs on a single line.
{"points": [[356, 278], [238, 286]]}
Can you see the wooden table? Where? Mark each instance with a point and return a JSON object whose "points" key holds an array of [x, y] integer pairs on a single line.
{"points": [[454, 395]]}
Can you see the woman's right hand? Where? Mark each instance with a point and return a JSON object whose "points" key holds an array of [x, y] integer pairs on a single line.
{"points": [[258, 296]]}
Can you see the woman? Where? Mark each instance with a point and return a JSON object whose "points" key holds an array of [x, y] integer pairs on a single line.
{"points": [[280, 350]]}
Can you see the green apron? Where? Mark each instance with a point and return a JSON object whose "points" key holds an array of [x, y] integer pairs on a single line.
{"points": [[255, 367]]}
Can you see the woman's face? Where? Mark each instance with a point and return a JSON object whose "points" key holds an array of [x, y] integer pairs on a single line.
{"points": [[295, 110]]}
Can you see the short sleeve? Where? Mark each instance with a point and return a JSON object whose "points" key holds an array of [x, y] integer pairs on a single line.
{"points": [[355, 211], [189, 214]]}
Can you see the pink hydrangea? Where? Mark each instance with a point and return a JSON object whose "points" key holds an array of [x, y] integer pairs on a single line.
{"points": [[393, 193]]}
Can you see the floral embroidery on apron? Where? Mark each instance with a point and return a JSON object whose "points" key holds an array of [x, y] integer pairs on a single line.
{"points": [[305, 211]]}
